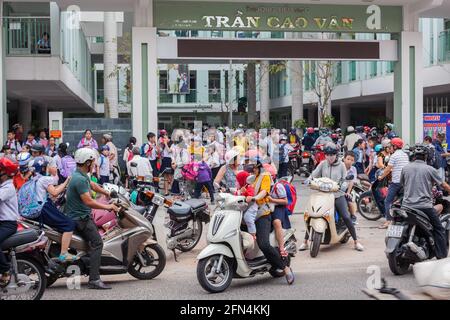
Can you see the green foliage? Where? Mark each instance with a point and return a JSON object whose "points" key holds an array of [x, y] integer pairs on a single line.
{"points": [[300, 124], [266, 125], [328, 121]]}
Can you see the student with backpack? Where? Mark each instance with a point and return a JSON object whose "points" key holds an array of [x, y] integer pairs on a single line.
{"points": [[150, 150], [35, 203], [284, 150], [204, 179], [66, 163], [281, 196], [103, 165]]}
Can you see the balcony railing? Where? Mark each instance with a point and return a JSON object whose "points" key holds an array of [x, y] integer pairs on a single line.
{"points": [[214, 95], [165, 97], [25, 36]]}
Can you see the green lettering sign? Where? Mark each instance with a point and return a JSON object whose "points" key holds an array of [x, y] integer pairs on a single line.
{"points": [[234, 16]]}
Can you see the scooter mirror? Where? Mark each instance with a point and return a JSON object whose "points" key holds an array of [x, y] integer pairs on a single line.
{"points": [[350, 177]]}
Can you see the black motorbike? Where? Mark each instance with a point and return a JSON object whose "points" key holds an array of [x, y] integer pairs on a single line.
{"points": [[409, 239], [367, 205]]}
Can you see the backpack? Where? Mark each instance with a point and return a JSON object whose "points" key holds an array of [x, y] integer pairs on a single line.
{"points": [[29, 207], [190, 171], [291, 193], [149, 151], [432, 157], [68, 166]]}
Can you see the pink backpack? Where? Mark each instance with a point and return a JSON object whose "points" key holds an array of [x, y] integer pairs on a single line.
{"points": [[190, 171]]}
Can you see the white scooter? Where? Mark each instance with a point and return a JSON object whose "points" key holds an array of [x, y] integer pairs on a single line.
{"points": [[232, 252], [320, 220]]}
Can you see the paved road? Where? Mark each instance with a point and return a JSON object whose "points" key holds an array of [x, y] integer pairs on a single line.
{"points": [[339, 272]]}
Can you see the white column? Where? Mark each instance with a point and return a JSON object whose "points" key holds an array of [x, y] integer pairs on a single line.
{"points": [[110, 65], [408, 88], [264, 91], [3, 112], [296, 74], [25, 115], [344, 110], [144, 64]]}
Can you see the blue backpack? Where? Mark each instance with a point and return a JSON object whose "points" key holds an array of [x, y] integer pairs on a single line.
{"points": [[29, 207]]}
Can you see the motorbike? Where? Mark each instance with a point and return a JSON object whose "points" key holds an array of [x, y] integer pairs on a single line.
{"points": [[319, 154], [367, 206], [231, 252], [128, 246], [186, 218], [294, 160], [409, 239], [25, 251], [323, 223], [307, 163]]}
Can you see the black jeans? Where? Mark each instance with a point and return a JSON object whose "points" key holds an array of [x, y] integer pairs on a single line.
{"points": [[199, 186], [342, 207], [87, 229], [440, 237], [263, 229], [7, 229], [155, 173]]}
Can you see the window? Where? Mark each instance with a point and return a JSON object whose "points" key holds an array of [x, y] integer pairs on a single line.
{"points": [[192, 96], [100, 87], [214, 86], [352, 70], [164, 97], [373, 69]]}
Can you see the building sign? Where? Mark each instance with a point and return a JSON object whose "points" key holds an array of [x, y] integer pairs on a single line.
{"points": [[434, 123], [221, 16]]}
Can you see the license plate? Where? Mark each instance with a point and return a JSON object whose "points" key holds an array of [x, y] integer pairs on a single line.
{"points": [[394, 231], [305, 160]]}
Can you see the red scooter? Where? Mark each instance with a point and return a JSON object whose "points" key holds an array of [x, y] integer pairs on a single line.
{"points": [[319, 154]]}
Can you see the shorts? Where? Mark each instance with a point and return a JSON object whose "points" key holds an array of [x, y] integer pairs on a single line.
{"points": [[51, 216]]}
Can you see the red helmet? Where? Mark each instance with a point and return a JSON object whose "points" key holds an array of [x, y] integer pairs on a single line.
{"points": [[8, 167], [162, 132], [366, 128], [310, 130], [334, 136], [397, 142]]}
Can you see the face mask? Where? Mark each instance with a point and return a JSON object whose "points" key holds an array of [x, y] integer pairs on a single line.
{"points": [[331, 158]]}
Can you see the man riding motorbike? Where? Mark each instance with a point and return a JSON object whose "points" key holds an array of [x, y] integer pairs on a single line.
{"points": [[294, 138], [389, 131], [334, 169], [78, 207], [308, 139], [324, 138], [417, 179]]}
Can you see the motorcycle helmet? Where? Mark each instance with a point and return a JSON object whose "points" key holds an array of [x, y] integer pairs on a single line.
{"points": [[397, 142], [39, 164], [390, 126], [359, 129], [284, 131], [310, 130], [8, 167], [334, 136], [38, 148], [293, 131], [378, 148], [283, 138], [330, 149], [420, 149], [386, 143], [24, 159], [85, 154], [338, 130], [323, 132], [350, 129]]}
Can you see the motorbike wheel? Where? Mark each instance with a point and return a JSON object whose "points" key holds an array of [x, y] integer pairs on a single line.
{"points": [[315, 244], [34, 270], [189, 244], [367, 207], [397, 265], [153, 256], [345, 238], [209, 279]]}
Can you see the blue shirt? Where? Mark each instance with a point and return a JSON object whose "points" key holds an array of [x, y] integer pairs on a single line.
{"points": [[440, 150]]}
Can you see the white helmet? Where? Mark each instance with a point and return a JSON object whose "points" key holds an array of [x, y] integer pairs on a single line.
{"points": [[85, 154], [230, 155], [350, 129]]}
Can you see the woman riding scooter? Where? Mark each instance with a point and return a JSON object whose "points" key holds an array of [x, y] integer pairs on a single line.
{"points": [[335, 170]]}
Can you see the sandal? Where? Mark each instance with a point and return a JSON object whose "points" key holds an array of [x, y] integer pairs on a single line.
{"points": [[67, 257], [5, 279]]}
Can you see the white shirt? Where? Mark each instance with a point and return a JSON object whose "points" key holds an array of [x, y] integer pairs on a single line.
{"points": [[167, 152], [103, 163], [398, 160], [143, 168], [9, 207], [220, 137], [213, 160], [113, 149], [152, 154], [42, 186]]}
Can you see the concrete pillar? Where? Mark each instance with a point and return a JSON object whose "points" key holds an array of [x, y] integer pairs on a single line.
{"points": [[42, 114], [296, 74], [25, 115], [389, 109], [344, 110], [408, 88], [311, 117], [144, 66], [3, 112], [264, 92], [251, 93], [110, 65]]}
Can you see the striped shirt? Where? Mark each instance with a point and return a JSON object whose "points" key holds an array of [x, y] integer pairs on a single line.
{"points": [[398, 161]]}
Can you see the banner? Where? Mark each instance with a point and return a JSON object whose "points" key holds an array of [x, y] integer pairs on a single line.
{"points": [[434, 123], [278, 17], [178, 78]]}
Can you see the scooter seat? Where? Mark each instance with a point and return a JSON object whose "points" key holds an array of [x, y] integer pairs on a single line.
{"points": [[195, 203], [20, 238], [180, 209], [363, 177]]}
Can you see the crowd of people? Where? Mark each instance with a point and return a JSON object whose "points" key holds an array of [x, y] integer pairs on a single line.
{"points": [[243, 161]]}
